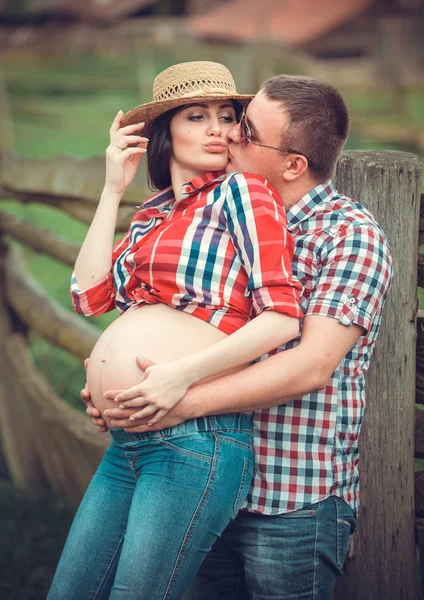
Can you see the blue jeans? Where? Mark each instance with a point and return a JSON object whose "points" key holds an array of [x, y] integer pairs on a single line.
{"points": [[153, 510], [293, 556]]}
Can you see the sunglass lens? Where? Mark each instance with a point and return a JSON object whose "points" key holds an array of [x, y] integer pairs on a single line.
{"points": [[243, 133]]}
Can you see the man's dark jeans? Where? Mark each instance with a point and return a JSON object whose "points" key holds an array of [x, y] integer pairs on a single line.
{"points": [[294, 556]]}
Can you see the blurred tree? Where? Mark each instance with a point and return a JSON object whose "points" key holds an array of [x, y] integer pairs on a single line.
{"points": [[199, 6], [173, 8], [15, 8]]}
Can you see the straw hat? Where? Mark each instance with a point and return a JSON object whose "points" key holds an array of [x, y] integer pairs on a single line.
{"points": [[185, 83]]}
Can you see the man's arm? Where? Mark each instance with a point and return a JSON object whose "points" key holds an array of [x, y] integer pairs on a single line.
{"points": [[282, 377], [278, 379]]}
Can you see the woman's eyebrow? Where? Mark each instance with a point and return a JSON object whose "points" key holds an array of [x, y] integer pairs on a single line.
{"points": [[228, 105], [197, 104]]}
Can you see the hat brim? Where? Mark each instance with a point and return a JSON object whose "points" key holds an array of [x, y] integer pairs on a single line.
{"points": [[147, 113]]}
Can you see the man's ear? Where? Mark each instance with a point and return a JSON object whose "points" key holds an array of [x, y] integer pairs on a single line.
{"points": [[294, 166]]}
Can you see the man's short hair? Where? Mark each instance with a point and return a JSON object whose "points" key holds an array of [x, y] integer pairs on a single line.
{"points": [[318, 116]]}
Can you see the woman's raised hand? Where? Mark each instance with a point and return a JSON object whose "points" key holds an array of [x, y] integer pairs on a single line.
{"points": [[122, 161]]}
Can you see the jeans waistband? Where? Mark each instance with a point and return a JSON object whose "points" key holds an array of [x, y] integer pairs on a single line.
{"points": [[233, 422]]}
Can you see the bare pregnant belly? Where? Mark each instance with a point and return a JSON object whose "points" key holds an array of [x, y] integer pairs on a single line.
{"points": [[158, 332]]}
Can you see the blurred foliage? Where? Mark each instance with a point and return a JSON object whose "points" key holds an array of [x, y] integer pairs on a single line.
{"points": [[65, 373], [29, 11], [16, 8], [174, 8], [33, 531]]}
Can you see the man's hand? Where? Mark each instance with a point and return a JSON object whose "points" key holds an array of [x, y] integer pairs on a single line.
{"points": [[91, 410], [121, 419]]}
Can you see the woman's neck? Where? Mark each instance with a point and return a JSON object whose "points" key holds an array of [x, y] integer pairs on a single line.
{"points": [[179, 176]]}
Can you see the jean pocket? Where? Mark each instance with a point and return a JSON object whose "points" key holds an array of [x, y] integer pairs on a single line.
{"points": [[346, 525], [199, 446], [245, 482], [302, 512], [241, 440]]}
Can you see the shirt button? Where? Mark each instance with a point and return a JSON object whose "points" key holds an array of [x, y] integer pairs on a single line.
{"points": [[188, 189]]}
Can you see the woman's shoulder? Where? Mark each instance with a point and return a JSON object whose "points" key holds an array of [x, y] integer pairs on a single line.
{"points": [[248, 184], [239, 177]]}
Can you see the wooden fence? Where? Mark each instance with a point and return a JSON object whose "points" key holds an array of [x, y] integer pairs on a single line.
{"points": [[49, 445]]}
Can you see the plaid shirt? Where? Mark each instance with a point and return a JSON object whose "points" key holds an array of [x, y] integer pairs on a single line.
{"points": [[307, 449], [221, 253]]}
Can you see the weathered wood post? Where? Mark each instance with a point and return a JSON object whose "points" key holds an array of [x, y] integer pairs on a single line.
{"points": [[382, 561]]}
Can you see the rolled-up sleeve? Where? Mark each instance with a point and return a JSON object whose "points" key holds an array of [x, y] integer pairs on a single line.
{"points": [[355, 278], [257, 224], [100, 297]]}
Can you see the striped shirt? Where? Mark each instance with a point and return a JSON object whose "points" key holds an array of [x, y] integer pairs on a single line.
{"points": [[307, 449], [221, 253]]}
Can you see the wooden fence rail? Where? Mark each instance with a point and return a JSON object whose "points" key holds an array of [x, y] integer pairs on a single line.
{"points": [[46, 443]]}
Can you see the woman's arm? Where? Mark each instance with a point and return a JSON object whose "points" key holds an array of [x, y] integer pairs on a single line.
{"points": [[257, 225], [94, 260], [260, 335]]}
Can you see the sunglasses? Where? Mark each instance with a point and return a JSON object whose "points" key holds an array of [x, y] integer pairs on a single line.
{"points": [[246, 139]]}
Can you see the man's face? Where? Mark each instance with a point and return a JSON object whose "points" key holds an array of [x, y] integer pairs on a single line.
{"points": [[266, 121]]}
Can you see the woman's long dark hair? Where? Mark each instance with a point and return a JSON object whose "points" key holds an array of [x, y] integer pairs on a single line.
{"points": [[160, 148], [159, 152]]}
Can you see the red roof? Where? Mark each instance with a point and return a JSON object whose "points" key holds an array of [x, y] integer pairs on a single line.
{"points": [[292, 22]]}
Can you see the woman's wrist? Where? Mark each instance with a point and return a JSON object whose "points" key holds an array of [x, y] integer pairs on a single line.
{"points": [[187, 371], [111, 194], [190, 370]]}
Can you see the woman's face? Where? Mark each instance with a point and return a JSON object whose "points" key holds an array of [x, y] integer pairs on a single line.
{"points": [[199, 137]]}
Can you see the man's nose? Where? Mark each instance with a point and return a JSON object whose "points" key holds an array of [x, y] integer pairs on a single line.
{"points": [[234, 133]]}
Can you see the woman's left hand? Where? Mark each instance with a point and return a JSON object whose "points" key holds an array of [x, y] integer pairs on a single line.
{"points": [[165, 385]]}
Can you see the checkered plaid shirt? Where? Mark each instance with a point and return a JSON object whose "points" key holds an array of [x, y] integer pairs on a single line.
{"points": [[307, 449], [221, 253]]}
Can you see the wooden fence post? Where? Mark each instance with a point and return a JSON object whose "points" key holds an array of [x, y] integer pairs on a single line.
{"points": [[382, 561]]}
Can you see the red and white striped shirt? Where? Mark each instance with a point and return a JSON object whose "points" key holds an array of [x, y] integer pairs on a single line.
{"points": [[221, 253]]}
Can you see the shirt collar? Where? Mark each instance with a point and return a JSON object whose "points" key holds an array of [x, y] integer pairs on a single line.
{"points": [[308, 204], [200, 182], [163, 200]]}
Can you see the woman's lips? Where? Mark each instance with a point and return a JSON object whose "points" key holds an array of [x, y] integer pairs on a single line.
{"points": [[216, 147]]}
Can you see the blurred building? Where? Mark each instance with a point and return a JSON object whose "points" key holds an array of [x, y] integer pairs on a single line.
{"points": [[322, 27], [389, 31]]}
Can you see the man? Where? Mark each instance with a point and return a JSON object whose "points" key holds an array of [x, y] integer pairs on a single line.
{"points": [[291, 539]]}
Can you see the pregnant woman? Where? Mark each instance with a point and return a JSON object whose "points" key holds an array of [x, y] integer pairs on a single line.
{"points": [[203, 282]]}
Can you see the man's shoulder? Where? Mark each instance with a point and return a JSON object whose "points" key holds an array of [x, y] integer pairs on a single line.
{"points": [[344, 216]]}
